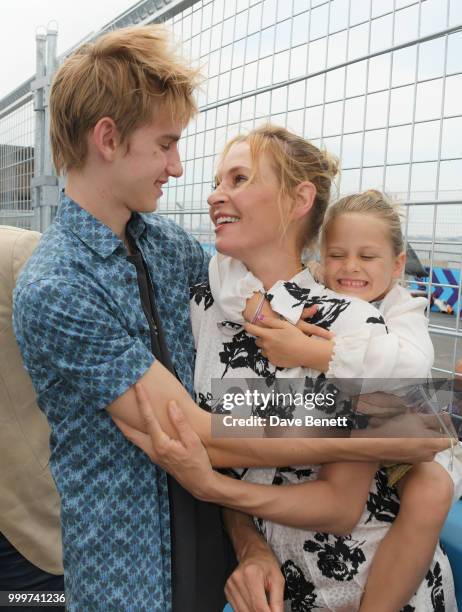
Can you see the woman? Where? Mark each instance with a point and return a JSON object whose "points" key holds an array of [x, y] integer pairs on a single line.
{"points": [[272, 192]]}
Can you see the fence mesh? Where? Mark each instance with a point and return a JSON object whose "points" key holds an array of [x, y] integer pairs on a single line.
{"points": [[17, 166], [376, 83]]}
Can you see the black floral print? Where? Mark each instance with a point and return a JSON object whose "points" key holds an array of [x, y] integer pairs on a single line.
{"points": [[376, 320], [300, 473], [242, 352], [338, 557], [200, 292], [383, 505], [298, 590], [328, 308], [434, 580]]}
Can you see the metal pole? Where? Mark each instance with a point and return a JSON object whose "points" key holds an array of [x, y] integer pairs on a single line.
{"points": [[50, 188], [36, 191]]}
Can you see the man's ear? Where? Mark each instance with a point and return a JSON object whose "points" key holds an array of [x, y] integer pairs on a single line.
{"points": [[105, 138], [305, 194], [400, 262]]}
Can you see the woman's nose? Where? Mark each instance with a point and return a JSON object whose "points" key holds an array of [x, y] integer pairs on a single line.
{"points": [[216, 197]]}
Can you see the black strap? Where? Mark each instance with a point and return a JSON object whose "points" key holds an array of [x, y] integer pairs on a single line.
{"points": [[202, 555]]}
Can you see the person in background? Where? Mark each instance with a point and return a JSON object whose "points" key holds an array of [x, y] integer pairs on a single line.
{"points": [[30, 529]]}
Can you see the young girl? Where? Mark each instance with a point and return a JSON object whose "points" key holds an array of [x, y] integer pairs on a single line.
{"points": [[362, 256]]}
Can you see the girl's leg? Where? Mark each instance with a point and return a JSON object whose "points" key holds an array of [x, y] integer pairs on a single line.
{"points": [[405, 554]]}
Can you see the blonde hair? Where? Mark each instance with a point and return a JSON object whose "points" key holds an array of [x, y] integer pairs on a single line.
{"points": [[370, 202], [125, 74], [294, 160]]}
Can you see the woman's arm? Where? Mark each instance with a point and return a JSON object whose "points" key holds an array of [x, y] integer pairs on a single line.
{"points": [[333, 503], [161, 387]]}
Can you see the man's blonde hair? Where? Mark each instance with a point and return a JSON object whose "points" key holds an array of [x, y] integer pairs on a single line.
{"points": [[294, 159], [126, 74]]}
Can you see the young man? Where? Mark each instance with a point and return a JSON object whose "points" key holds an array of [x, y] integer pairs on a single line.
{"points": [[104, 302], [86, 327]]}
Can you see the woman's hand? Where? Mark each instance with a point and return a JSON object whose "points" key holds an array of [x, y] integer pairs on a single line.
{"points": [[257, 584], [289, 346], [184, 458]]}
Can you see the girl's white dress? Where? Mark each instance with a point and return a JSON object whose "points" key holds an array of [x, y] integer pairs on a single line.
{"points": [[322, 571]]}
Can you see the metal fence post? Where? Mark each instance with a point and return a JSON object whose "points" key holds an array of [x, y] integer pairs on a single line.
{"points": [[36, 192], [45, 182]]}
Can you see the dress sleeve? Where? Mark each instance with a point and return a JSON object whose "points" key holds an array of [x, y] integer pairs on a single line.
{"points": [[69, 330], [284, 303], [231, 285]]}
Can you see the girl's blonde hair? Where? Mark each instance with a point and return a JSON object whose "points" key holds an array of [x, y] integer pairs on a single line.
{"points": [[294, 160], [126, 74], [370, 202]]}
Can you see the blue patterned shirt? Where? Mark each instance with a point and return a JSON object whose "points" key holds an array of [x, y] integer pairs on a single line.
{"points": [[85, 340]]}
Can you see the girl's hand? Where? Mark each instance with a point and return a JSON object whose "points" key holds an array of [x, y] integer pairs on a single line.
{"points": [[185, 458], [287, 346], [252, 305]]}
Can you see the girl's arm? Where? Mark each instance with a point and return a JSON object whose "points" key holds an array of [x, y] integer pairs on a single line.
{"points": [[405, 352]]}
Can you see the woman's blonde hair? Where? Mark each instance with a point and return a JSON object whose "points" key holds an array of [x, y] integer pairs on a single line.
{"points": [[369, 202], [294, 160], [126, 74]]}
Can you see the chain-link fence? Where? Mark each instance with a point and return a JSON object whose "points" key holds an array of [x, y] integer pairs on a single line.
{"points": [[377, 83]]}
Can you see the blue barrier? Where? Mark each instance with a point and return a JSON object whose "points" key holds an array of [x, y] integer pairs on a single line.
{"points": [[448, 295], [451, 539]]}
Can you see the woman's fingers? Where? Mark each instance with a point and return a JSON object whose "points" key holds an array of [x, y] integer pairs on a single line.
{"points": [[314, 330], [266, 322], [237, 601], [276, 594], [158, 436], [186, 433], [247, 589], [307, 313], [136, 437]]}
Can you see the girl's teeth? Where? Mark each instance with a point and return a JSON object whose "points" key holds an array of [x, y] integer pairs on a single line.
{"points": [[353, 283]]}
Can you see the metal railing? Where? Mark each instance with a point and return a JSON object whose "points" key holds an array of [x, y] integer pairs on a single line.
{"points": [[29, 186]]}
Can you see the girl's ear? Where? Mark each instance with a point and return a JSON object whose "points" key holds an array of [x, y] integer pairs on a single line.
{"points": [[305, 194], [400, 262]]}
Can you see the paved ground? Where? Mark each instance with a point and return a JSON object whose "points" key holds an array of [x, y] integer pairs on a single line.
{"points": [[445, 345]]}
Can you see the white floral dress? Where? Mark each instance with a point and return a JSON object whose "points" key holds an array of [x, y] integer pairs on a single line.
{"points": [[323, 572]]}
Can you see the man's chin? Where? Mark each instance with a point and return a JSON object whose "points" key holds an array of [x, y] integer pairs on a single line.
{"points": [[147, 207]]}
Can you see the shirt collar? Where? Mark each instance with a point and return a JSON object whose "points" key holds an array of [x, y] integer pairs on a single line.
{"points": [[94, 233]]}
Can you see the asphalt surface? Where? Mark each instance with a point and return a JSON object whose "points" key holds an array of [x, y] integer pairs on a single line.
{"points": [[445, 345]]}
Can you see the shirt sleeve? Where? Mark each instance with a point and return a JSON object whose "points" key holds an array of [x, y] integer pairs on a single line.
{"points": [[231, 285], [198, 261], [71, 331]]}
